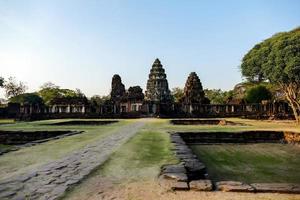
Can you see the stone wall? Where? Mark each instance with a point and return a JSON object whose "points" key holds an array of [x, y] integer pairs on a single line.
{"points": [[241, 137], [191, 174], [20, 137]]}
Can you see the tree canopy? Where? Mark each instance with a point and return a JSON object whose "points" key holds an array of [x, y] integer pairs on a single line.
{"points": [[277, 60], [177, 94], [217, 96], [257, 94], [27, 98], [50, 91]]}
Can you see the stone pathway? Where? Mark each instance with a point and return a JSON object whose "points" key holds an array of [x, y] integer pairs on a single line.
{"points": [[53, 179]]}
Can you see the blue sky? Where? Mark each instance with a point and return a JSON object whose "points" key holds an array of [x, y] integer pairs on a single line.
{"points": [[81, 44]]}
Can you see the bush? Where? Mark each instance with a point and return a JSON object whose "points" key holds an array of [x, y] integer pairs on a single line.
{"points": [[257, 94]]}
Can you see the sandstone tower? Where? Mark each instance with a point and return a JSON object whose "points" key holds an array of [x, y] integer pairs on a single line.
{"points": [[117, 92], [117, 88], [193, 95], [157, 91], [157, 85], [193, 90]]}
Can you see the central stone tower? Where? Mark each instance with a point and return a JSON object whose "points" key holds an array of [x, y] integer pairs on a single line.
{"points": [[157, 84], [157, 91]]}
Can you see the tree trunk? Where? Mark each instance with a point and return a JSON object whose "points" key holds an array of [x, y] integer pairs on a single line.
{"points": [[295, 111], [291, 92]]}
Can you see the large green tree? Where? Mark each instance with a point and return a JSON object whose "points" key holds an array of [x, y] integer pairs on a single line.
{"points": [[217, 96], [277, 60], [27, 98], [257, 94], [177, 94], [50, 91]]}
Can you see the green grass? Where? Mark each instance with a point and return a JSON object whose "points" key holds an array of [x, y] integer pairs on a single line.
{"points": [[139, 159], [4, 147], [7, 121], [34, 156], [252, 162]]}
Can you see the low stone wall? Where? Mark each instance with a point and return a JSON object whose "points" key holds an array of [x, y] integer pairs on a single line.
{"points": [[191, 174], [241, 137], [85, 122], [195, 121], [20, 139], [203, 122]]}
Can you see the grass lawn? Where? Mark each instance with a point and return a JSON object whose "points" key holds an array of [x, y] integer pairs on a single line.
{"points": [[34, 156], [139, 159], [4, 147], [132, 170], [251, 163], [7, 121]]}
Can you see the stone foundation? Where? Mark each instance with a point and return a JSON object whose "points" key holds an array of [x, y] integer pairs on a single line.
{"points": [[241, 137], [24, 139], [85, 122], [191, 174], [203, 122]]}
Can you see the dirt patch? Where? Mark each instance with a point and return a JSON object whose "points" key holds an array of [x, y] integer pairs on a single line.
{"points": [[149, 190], [84, 122]]}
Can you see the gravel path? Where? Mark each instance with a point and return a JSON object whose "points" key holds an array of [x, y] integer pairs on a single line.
{"points": [[52, 180]]}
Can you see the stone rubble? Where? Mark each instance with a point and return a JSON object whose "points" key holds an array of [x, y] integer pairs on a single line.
{"points": [[233, 186], [277, 187]]}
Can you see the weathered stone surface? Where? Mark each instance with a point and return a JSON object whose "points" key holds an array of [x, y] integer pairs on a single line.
{"points": [[181, 186], [201, 185], [174, 169], [117, 88], [195, 170], [233, 186], [176, 176], [172, 184], [53, 179], [277, 187], [157, 84], [194, 165], [193, 90]]}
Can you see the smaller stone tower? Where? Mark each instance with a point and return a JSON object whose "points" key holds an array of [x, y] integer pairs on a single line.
{"points": [[117, 92]]}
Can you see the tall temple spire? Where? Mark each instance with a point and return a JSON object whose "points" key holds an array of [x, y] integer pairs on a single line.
{"points": [[157, 62], [157, 84]]}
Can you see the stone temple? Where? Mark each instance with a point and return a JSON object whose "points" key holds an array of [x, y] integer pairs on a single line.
{"points": [[157, 89]]}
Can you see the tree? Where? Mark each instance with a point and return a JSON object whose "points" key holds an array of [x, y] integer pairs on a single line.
{"points": [[50, 91], [177, 94], [1, 81], [257, 94], [13, 88], [217, 96], [277, 60], [98, 100], [27, 98]]}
